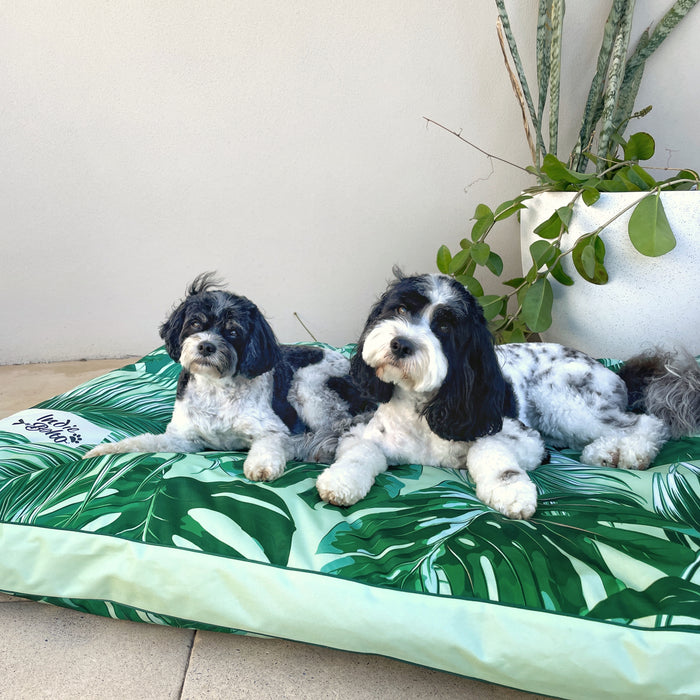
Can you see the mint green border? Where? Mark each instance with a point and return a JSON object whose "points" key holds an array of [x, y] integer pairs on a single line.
{"points": [[532, 650]]}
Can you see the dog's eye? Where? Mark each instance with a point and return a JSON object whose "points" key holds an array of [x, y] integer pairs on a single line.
{"points": [[196, 325], [401, 310]]}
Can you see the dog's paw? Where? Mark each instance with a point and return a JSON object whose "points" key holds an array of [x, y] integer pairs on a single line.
{"points": [[624, 452], [263, 467], [341, 486], [513, 495], [106, 448]]}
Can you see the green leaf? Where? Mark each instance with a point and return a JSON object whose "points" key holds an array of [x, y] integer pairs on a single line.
{"points": [[565, 214], [557, 171], [508, 208], [471, 284], [443, 259], [480, 253], [537, 306], [641, 177], [482, 224], [459, 262], [649, 229], [542, 253], [640, 146], [590, 195], [551, 228], [515, 282], [495, 264], [492, 305], [588, 256], [560, 276]]}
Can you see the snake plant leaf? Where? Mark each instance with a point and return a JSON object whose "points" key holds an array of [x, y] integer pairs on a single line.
{"points": [[537, 305], [557, 20], [649, 229], [613, 81], [542, 46], [444, 257]]}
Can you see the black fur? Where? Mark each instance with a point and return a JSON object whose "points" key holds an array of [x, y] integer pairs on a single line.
{"points": [[474, 398], [252, 344]]}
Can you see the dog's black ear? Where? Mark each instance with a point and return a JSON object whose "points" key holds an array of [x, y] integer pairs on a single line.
{"points": [[366, 380], [364, 376], [262, 351], [170, 332], [474, 398]]}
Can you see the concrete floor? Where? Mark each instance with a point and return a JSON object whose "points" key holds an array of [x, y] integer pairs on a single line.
{"points": [[50, 652]]}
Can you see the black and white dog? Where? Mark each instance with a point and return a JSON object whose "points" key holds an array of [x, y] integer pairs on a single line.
{"points": [[448, 398], [240, 389]]}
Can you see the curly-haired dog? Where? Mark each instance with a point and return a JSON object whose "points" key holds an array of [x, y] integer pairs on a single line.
{"points": [[449, 398], [240, 389]]}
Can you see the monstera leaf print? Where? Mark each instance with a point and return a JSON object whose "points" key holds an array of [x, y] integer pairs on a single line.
{"points": [[185, 501], [591, 540]]}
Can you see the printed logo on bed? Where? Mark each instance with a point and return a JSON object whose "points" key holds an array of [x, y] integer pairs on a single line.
{"points": [[57, 427]]}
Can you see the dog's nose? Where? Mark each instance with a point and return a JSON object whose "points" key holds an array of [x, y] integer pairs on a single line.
{"points": [[205, 348], [401, 347]]}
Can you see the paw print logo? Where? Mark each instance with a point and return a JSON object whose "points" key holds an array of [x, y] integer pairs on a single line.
{"points": [[75, 439]]}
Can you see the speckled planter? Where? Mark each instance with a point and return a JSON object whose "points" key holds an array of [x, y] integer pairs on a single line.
{"points": [[647, 301]]}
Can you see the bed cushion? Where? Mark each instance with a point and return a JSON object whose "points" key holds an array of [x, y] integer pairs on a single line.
{"points": [[597, 595]]}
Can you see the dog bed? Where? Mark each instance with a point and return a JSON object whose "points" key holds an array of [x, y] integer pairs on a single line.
{"points": [[597, 595]]}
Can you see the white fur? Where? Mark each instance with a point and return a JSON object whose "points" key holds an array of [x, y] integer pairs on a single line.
{"points": [[562, 396], [238, 386]]}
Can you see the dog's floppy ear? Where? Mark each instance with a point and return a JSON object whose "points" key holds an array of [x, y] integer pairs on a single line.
{"points": [[170, 331], [262, 351], [364, 376], [366, 380], [474, 398]]}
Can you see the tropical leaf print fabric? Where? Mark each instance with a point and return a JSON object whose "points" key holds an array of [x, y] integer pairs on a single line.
{"points": [[598, 594]]}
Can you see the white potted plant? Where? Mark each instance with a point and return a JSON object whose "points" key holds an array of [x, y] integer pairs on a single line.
{"points": [[599, 216]]}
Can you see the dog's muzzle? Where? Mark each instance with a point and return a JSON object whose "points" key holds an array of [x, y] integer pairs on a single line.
{"points": [[205, 353]]}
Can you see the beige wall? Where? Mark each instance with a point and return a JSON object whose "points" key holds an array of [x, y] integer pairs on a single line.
{"points": [[279, 143]]}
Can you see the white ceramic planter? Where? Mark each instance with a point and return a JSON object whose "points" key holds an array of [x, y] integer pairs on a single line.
{"points": [[647, 301]]}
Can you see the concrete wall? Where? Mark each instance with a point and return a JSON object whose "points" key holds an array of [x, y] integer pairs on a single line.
{"points": [[279, 143]]}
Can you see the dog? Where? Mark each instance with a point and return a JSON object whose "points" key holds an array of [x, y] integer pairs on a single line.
{"points": [[240, 389], [449, 398]]}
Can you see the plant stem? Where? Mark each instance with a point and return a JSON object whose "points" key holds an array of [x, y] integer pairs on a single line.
{"points": [[481, 150]]}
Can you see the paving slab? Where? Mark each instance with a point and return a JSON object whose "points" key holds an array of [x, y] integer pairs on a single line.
{"points": [[233, 667], [51, 652]]}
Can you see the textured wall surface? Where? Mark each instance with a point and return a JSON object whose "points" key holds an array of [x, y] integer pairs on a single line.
{"points": [[281, 144]]}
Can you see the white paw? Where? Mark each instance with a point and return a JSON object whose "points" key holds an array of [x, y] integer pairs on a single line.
{"points": [[263, 467], [620, 451], [106, 448], [343, 486], [513, 495]]}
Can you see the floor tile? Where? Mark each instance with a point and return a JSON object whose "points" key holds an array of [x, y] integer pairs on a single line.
{"points": [[236, 667], [50, 652], [22, 386]]}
